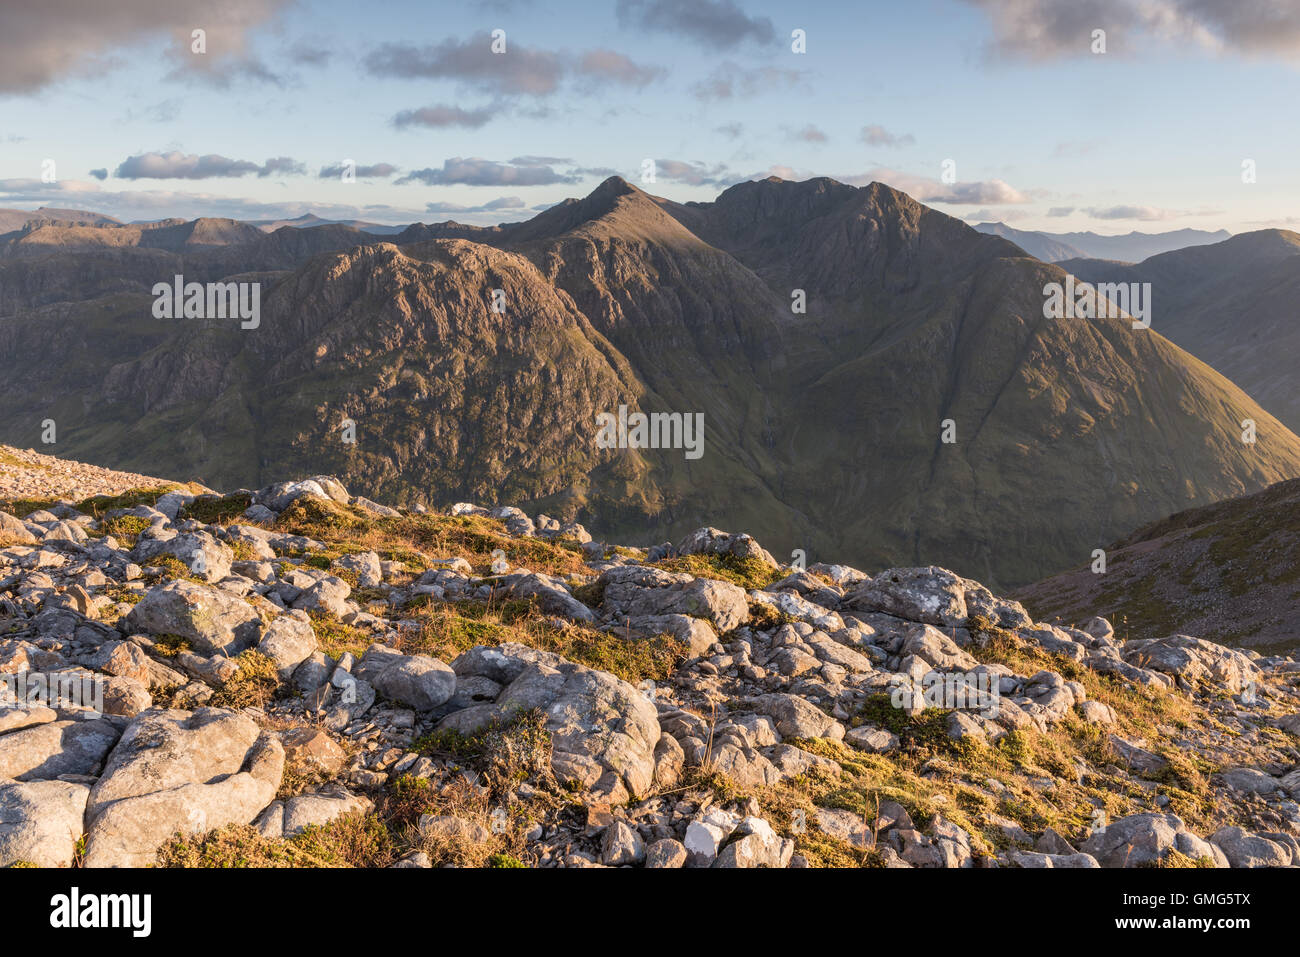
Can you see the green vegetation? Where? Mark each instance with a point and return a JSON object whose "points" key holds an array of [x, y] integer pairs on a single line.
{"points": [[254, 685], [748, 573]]}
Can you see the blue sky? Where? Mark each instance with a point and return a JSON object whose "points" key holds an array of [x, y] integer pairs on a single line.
{"points": [[1043, 132]]}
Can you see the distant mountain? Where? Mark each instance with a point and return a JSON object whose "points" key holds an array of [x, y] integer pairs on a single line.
{"points": [[1232, 305], [1042, 246], [14, 219], [308, 220], [1133, 247], [823, 428], [1229, 572]]}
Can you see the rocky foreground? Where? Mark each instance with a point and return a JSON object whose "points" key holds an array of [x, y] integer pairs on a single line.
{"points": [[299, 677]]}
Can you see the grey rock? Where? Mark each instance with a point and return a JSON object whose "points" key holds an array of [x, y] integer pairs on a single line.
{"points": [[51, 749], [212, 620]]}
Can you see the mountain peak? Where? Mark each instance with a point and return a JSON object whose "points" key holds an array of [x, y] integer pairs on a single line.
{"points": [[613, 186], [616, 205]]}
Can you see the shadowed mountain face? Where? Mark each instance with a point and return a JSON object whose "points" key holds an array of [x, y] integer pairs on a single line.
{"points": [[1232, 304], [1229, 572], [823, 428]]}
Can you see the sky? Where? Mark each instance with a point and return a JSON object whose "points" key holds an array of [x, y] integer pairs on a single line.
{"points": [[990, 110]]}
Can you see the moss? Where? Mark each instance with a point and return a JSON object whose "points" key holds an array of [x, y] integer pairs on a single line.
{"points": [[352, 841], [254, 685], [481, 743], [928, 727], [217, 509], [243, 551], [765, 617], [170, 645], [336, 638], [1177, 860], [125, 528], [591, 594], [748, 573], [171, 568], [504, 860], [97, 505]]}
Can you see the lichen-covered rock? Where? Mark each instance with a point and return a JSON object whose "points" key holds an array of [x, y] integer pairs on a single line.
{"points": [[603, 730], [630, 591], [931, 595], [41, 822], [178, 772], [211, 620], [420, 681], [50, 749], [1194, 659]]}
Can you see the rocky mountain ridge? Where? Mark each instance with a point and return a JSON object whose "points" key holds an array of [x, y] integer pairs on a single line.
{"points": [[824, 428], [296, 676]]}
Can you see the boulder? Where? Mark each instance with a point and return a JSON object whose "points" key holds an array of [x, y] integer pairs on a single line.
{"points": [[621, 845], [14, 532], [288, 642], [179, 772], [419, 681], [365, 565], [50, 749], [40, 822], [202, 554], [1194, 660], [1244, 849], [796, 717], [931, 595], [1138, 840], [603, 730], [313, 810], [213, 621], [630, 591], [711, 541]]}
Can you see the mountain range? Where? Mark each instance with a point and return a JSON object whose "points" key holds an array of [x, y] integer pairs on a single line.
{"points": [[824, 428], [1055, 247]]}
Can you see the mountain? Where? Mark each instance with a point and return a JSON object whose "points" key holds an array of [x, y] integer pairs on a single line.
{"points": [[1044, 246], [1229, 572], [1135, 246], [317, 674], [15, 219], [307, 220], [1231, 304], [823, 429]]}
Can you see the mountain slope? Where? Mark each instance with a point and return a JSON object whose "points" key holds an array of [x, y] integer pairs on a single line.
{"points": [[1229, 572], [1231, 304]]}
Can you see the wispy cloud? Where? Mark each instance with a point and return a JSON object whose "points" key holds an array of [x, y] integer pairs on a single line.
{"points": [[443, 116], [716, 24], [876, 135], [178, 165], [474, 171], [731, 80], [1052, 29]]}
